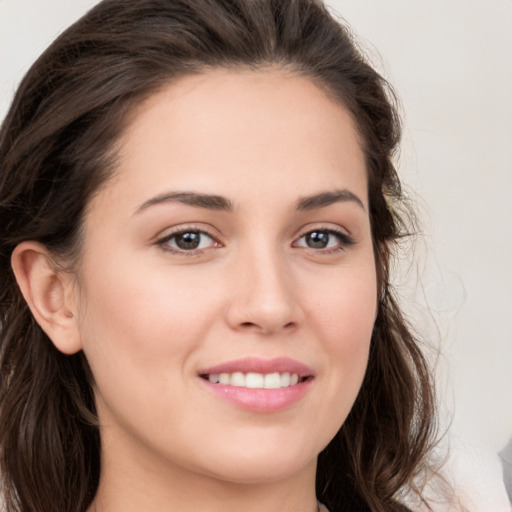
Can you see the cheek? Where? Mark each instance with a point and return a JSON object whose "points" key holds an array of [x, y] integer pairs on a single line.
{"points": [[141, 326], [345, 317], [346, 309], [142, 301]]}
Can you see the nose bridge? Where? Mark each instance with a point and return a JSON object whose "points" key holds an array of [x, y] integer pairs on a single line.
{"points": [[264, 297]]}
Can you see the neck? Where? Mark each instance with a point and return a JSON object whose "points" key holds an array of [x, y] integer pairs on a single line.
{"points": [[152, 486]]}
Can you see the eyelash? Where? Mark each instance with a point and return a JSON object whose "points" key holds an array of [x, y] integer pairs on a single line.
{"points": [[345, 241]]}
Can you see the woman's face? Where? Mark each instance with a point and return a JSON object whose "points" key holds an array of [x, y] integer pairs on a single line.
{"points": [[227, 285]]}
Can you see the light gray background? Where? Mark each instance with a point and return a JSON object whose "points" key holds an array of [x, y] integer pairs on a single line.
{"points": [[451, 63]]}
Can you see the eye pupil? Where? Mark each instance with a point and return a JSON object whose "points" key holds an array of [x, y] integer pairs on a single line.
{"points": [[317, 239], [189, 240]]}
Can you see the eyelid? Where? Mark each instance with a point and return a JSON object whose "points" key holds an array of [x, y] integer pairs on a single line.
{"points": [[188, 226], [324, 226]]}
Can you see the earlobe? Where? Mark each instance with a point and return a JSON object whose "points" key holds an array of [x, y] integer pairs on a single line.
{"points": [[48, 293]]}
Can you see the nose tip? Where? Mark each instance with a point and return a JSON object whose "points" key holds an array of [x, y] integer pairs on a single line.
{"points": [[264, 301], [261, 321]]}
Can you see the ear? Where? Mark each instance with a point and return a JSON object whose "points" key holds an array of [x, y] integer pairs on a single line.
{"points": [[49, 293]]}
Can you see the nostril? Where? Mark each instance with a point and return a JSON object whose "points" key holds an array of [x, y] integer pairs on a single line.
{"points": [[252, 325]]}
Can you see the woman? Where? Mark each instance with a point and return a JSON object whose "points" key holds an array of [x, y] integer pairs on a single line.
{"points": [[199, 207]]}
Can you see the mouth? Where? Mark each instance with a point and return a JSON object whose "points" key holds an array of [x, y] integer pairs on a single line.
{"points": [[254, 380], [259, 385]]}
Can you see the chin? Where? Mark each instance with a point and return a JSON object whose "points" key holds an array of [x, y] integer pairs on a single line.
{"points": [[259, 464], [250, 472]]}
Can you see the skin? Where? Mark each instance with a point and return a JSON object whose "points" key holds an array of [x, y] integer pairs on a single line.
{"points": [[150, 316]]}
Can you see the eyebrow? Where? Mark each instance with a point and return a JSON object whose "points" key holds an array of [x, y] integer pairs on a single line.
{"points": [[215, 202], [324, 199], [208, 201]]}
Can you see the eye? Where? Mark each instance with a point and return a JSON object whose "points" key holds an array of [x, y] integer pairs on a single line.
{"points": [[324, 239], [188, 241]]}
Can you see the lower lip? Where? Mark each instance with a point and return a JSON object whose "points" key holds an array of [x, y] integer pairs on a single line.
{"points": [[260, 400]]}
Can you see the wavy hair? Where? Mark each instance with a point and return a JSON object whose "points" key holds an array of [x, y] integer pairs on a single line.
{"points": [[57, 148]]}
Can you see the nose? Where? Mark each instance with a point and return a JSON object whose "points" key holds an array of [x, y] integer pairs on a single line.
{"points": [[264, 298]]}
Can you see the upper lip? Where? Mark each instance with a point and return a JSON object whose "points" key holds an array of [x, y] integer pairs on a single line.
{"points": [[258, 365]]}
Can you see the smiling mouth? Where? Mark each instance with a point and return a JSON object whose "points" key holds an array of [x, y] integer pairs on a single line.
{"points": [[252, 380]]}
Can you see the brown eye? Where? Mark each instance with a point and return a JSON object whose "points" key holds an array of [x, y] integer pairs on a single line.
{"points": [[317, 239], [327, 239], [188, 241]]}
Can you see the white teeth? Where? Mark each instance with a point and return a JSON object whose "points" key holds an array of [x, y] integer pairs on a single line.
{"points": [[224, 378], [272, 381], [254, 380], [238, 379]]}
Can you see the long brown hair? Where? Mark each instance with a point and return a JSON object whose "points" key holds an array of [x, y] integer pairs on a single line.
{"points": [[57, 147]]}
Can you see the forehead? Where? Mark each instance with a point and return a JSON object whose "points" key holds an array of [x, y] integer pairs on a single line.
{"points": [[225, 128]]}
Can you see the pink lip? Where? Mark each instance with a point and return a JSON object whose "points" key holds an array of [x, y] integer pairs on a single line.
{"points": [[260, 400], [257, 365]]}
